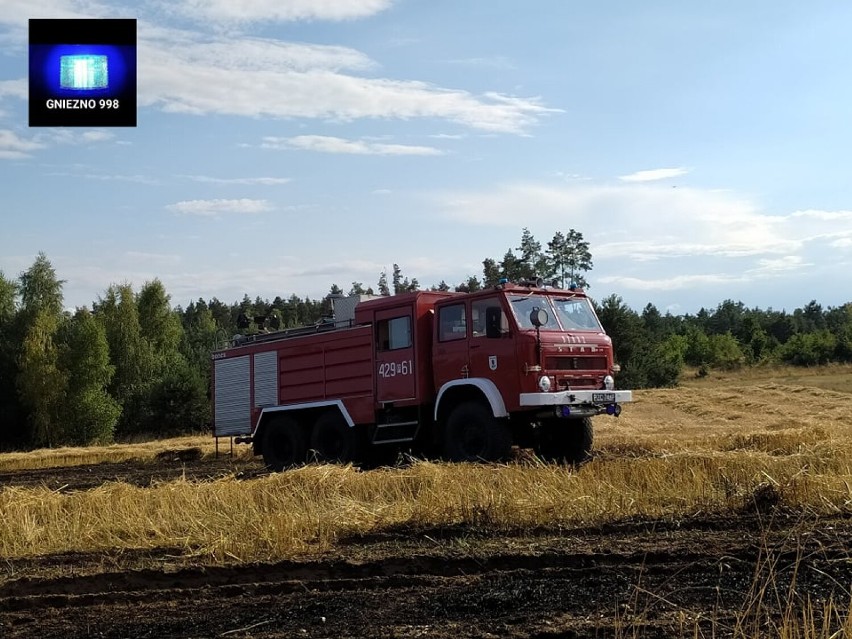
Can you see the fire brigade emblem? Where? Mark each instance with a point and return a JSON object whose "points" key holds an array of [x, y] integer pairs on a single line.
{"points": [[492, 362]]}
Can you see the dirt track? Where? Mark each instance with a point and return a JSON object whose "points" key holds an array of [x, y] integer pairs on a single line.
{"points": [[656, 578]]}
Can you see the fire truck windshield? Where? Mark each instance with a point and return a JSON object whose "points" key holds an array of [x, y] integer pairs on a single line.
{"points": [[564, 313], [523, 304], [576, 313]]}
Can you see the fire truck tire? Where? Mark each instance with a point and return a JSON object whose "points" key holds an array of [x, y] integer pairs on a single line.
{"points": [[333, 440], [283, 444], [472, 433], [566, 441]]}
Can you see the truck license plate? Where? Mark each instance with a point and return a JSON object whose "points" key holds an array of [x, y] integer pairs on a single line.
{"points": [[604, 398]]}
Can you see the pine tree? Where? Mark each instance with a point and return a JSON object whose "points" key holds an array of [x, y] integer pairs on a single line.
{"points": [[532, 262], [383, 284], [490, 272], [470, 286], [510, 267], [569, 257]]}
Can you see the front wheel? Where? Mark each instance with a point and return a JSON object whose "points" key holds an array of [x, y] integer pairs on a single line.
{"points": [[472, 433], [566, 441]]}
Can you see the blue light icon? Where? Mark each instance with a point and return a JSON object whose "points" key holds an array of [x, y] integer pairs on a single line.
{"points": [[83, 72]]}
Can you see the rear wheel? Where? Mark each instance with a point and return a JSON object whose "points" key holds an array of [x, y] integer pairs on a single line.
{"points": [[566, 441], [472, 433], [283, 444], [333, 440]]}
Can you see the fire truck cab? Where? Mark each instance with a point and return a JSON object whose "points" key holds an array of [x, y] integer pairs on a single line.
{"points": [[464, 376]]}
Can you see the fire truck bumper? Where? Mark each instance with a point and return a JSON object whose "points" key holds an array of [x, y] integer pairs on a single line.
{"points": [[579, 403]]}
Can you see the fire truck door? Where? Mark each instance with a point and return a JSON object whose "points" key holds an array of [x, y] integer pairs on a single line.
{"points": [[451, 360], [492, 349], [396, 378]]}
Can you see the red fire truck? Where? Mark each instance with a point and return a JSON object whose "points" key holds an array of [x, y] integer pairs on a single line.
{"points": [[459, 375]]}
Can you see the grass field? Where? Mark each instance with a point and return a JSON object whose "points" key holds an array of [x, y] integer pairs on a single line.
{"points": [[710, 445], [761, 443]]}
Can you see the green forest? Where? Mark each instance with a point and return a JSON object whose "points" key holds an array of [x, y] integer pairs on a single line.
{"points": [[133, 366]]}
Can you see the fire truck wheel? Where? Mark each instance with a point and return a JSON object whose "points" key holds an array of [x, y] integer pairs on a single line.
{"points": [[333, 440], [283, 444], [472, 433], [566, 441]]}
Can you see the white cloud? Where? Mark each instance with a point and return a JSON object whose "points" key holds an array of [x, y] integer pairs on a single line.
{"points": [[69, 136], [263, 181], [14, 88], [652, 237], [186, 72], [329, 144], [278, 10], [160, 259], [106, 177], [652, 175], [16, 13], [218, 206], [765, 269], [829, 216], [640, 220], [448, 136], [779, 265], [243, 53], [14, 147], [255, 77], [571, 177], [669, 283], [97, 136], [492, 62], [139, 179]]}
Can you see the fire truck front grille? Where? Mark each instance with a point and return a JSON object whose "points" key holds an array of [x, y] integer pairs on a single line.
{"points": [[576, 383], [579, 363]]}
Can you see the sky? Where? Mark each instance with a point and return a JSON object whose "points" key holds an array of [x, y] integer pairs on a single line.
{"points": [[282, 146]]}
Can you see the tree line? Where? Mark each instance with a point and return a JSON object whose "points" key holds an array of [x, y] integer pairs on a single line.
{"points": [[132, 365]]}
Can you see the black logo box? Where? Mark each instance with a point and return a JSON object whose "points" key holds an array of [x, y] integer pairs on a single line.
{"points": [[112, 108]]}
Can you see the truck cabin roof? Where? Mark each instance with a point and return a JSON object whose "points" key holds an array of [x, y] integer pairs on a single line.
{"points": [[363, 313]]}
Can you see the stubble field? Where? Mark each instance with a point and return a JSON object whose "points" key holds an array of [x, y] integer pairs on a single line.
{"points": [[721, 508]]}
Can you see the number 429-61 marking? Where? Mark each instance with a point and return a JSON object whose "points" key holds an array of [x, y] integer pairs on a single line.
{"points": [[392, 369]]}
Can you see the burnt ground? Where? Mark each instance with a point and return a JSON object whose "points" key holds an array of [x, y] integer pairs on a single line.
{"points": [[168, 466], [694, 577]]}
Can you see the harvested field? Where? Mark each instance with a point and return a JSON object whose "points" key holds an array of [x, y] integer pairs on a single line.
{"points": [[722, 508]]}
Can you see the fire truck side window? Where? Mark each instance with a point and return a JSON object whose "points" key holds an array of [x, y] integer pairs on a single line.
{"points": [[478, 315], [394, 333], [451, 323]]}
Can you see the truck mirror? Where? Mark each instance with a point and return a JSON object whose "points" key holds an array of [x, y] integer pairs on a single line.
{"points": [[493, 321], [538, 317]]}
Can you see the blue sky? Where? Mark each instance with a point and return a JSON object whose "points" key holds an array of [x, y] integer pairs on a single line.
{"points": [[282, 146]]}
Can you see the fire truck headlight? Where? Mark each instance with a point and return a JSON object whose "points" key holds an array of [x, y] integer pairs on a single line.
{"points": [[544, 383], [609, 382]]}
